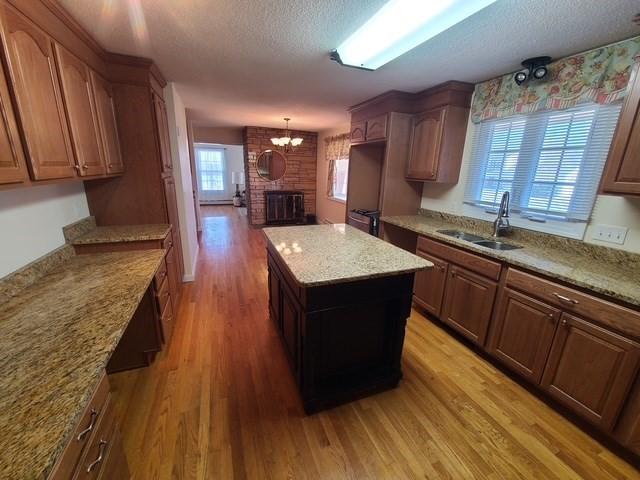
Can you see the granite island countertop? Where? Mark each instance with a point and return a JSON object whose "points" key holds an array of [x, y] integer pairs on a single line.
{"points": [[56, 337], [328, 254], [123, 233], [610, 272]]}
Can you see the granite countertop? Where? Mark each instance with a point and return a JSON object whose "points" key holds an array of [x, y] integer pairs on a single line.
{"points": [[603, 270], [56, 337], [123, 233], [326, 254]]}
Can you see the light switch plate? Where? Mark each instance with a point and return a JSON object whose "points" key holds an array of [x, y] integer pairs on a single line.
{"points": [[610, 234]]}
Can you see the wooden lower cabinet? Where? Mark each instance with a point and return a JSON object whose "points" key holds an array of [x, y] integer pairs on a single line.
{"points": [[522, 333], [290, 330], [428, 286], [94, 450], [468, 303], [591, 370]]}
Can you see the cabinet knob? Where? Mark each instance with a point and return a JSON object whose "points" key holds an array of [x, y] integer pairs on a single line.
{"points": [[84, 167], [77, 167], [564, 322], [550, 315]]}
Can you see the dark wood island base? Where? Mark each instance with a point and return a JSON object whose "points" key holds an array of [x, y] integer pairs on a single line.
{"points": [[343, 341]]}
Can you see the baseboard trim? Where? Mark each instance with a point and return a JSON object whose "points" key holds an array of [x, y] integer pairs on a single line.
{"points": [[192, 277]]}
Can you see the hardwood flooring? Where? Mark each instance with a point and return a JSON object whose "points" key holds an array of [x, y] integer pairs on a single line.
{"points": [[221, 403]]}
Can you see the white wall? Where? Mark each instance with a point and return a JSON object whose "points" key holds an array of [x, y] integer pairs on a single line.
{"points": [[31, 221], [182, 172], [327, 209], [609, 210]]}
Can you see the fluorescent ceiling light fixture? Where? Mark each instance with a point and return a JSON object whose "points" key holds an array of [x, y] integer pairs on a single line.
{"points": [[401, 25]]}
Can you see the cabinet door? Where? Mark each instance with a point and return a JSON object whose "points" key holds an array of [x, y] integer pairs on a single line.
{"points": [[425, 145], [358, 132], [13, 167], [622, 172], [162, 124], [590, 370], [468, 303], [30, 58], [428, 286], [105, 108], [274, 297], [81, 112], [523, 333], [291, 330], [377, 128], [172, 212]]}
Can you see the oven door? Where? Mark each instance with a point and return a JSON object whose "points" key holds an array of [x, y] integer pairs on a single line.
{"points": [[361, 222]]}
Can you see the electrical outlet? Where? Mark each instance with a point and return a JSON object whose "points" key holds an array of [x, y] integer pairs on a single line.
{"points": [[610, 234]]}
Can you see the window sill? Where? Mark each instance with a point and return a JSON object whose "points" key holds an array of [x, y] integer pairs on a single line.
{"points": [[338, 200]]}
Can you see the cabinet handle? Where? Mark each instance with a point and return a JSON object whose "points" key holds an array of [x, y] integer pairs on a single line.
{"points": [[565, 299], [92, 423], [103, 446]]}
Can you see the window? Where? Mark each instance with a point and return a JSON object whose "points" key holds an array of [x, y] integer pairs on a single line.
{"points": [[211, 169], [340, 179], [550, 162]]}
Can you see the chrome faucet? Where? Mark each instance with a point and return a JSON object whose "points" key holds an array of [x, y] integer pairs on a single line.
{"points": [[501, 223]]}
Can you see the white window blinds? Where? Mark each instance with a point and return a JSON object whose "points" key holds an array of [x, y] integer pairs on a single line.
{"points": [[211, 168], [550, 161]]}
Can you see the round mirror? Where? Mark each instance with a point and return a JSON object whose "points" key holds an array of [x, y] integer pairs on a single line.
{"points": [[271, 165]]}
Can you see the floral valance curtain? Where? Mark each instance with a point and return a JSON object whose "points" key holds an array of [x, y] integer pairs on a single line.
{"points": [[337, 147], [600, 75]]}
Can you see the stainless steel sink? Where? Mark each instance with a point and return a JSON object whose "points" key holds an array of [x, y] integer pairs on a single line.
{"points": [[461, 235], [493, 245]]}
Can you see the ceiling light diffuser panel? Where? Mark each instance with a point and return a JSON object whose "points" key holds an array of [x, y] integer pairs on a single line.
{"points": [[401, 25]]}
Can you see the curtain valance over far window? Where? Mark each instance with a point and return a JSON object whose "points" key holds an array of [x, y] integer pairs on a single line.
{"points": [[337, 148], [600, 76]]}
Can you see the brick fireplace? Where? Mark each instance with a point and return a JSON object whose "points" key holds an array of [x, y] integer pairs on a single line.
{"points": [[300, 174]]}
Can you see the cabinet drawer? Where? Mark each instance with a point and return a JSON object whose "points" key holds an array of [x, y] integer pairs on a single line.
{"points": [[88, 423], [162, 295], [97, 452], [571, 300], [167, 243], [161, 274], [475, 263]]}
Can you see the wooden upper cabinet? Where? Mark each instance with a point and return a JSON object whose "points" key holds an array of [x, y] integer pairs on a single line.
{"points": [[163, 133], [523, 333], [428, 286], [357, 133], [425, 145], [591, 370], [106, 112], [29, 55], [13, 168], [377, 128], [437, 143], [81, 112], [622, 172], [468, 303]]}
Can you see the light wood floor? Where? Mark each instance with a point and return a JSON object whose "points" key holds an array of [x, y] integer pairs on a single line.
{"points": [[221, 404]]}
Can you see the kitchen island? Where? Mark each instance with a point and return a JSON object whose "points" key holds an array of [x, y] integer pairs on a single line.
{"points": [[340, 299]]}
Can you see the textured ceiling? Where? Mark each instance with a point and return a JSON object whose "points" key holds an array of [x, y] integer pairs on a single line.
{"points": [[243, 62]]}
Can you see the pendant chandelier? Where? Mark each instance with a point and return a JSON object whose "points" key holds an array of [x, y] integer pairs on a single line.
{"points": [[286, 143]]}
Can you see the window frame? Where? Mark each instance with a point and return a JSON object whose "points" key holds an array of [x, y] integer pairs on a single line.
{"points": [[531, 146], [335, 197], [222, 171]]}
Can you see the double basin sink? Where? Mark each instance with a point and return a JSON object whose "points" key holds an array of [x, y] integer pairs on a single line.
{"points": [[477, 240]]}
